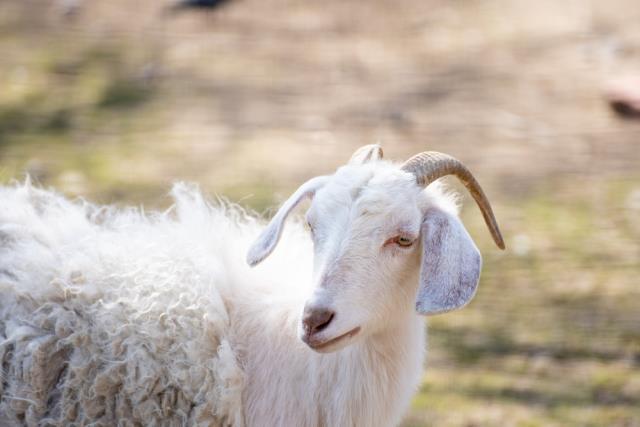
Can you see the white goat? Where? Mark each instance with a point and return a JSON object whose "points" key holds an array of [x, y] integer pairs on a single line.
{"points": [[112, 316]]}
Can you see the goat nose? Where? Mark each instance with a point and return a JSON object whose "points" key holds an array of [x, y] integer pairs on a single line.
{"points": [[316, 319]]}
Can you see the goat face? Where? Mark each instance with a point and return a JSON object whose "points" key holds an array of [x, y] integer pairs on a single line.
{"points": [[380, 244], [365, 223]]}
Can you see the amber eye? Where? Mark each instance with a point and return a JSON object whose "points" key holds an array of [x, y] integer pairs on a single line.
{"points": [[401, 241], [404, 241]]}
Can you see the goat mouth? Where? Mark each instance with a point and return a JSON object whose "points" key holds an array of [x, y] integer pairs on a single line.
{"points": [[326, 344]]}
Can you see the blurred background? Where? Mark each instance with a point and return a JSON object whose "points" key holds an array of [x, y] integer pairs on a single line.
{"points": [[114, 100]]}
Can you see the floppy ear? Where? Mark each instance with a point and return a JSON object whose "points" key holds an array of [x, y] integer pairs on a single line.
{"points": [[268, 239], [365, 154], [451, 264]]}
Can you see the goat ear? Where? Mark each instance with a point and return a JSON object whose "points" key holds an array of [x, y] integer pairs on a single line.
{"points": [[268, 239], [365, 154], [451, 264]]}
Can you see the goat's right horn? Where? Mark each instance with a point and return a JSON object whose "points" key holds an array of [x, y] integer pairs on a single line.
{"points": [[428, 166], [367, 153]]}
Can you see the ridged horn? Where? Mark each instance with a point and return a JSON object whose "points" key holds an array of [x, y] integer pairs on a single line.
{"points": [[431, 165]]}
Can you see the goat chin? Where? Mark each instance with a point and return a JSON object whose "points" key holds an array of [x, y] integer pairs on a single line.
{"points": [[114, 315]]}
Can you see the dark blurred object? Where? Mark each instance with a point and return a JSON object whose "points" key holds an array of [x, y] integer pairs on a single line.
{"points": [[69, 8], [198, 4], [623, 95]]}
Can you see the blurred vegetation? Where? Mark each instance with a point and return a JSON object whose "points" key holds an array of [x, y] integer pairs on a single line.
{"points": [[114, 100]]}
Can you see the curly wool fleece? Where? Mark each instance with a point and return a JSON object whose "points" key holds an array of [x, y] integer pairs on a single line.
{"points": [[115, 317]]}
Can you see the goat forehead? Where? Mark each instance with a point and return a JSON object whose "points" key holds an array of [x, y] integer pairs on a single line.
{"points": [[377, 194], [368, 185]]}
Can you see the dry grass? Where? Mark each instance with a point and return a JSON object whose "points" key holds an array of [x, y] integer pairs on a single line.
{"points": [[120, 99]]}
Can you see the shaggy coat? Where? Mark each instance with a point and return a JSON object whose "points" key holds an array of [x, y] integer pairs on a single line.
{"points": [[120, 317]]}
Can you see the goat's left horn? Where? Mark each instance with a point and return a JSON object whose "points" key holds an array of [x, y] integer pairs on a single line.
{"points": [[431, 165]]}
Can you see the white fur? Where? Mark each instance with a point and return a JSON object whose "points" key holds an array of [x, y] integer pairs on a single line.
{"points": [[114, 314]]}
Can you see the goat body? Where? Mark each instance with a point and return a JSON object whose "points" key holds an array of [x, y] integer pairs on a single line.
{"points": [[114, 316]]}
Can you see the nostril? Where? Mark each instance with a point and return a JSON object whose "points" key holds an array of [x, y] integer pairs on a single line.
{"points": [[324, 322], [317, 320]]}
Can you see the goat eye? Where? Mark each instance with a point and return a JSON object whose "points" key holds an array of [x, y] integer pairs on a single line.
{"points": [[403, 241]]}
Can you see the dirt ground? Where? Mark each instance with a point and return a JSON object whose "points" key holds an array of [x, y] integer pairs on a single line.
{"points": [[114, 100]]}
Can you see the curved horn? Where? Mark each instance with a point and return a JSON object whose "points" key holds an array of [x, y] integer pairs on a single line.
{"points": [[366, 154], [431, 165]]}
